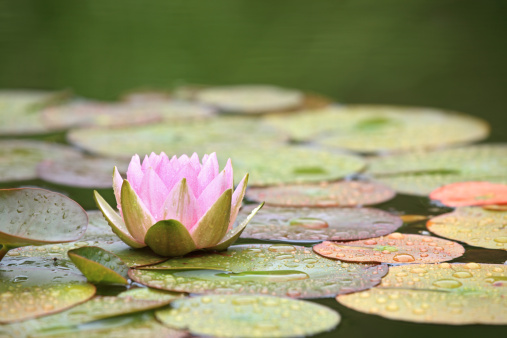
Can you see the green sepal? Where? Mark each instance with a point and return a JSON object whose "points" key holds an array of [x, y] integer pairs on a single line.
{"points": [[213, 226], [169, 238], [136, 216]]}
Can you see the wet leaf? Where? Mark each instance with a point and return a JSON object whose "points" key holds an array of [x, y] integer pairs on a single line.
{"points": [[84, 172], [318, 224], [254, 316], [370, 128], [151, 294], [99, 266], [32, 216], [472, 225], [395, 248], [30, 292], [343, 193], [446, 293], [279, 269], [98, 229], [96, 309], [19, 158], [470, 193]]}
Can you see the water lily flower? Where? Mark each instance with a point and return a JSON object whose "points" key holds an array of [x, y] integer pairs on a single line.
{"points": [[176, 205]]}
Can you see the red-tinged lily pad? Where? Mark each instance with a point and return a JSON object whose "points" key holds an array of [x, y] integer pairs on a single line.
{"points": [[343, 193], [470, 193], [220, 316], [395, 248], [29, 292], [99, 266], [19, 158], [279, 269], [455, 294], [32, 216], [318, 224], [83, 172], [96, 309], [473, 225]]}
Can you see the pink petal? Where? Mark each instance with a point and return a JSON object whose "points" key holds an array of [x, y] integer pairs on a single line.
{"points": [[180, 205], [208, 172], [162, 162], [212, 192], [117, 182], [194, 160], [153, 193], [135, 173], [229, 174], [146, 163], [237, 199], [187, 172]]}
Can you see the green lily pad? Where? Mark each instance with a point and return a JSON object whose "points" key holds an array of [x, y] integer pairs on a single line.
{"points": [[98, 229], [250, 99], [30, 292], [19, 158], [318, 224], [248, 316], [395, 248], [150, 294], [83, 172], [456, 294], [96, 309], [370, 128], [279, 269], [99, 266], [473, 225], [420, 173], [32, 216], [343, 193], [19, 110]]}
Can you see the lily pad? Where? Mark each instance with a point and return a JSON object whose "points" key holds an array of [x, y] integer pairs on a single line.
{"points": [[98, 229], [250, 99], [19, 158], [83, 172], [420, 173], [30, 292], [343, 193], [150, 294], [99, 266], [96, 309], [318, 224], [248, 316], [454, 294], [370, 128], [473, 225], [471, 193], [395, 248], [19, 110], [279, 269], [32, 216]]}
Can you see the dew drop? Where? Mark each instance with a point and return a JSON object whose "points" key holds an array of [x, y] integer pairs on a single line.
{"points": [[403, 258], [447, 283], [309, 223]]}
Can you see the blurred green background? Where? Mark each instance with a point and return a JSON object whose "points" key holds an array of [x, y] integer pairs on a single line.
{"points": [[444, 53]]}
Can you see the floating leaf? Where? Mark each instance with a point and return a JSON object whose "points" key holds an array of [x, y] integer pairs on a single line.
{"points": [[343, 193], [96, 309], [150, 294], [250, 99], [98, 229], [394, 248], [470, 193], [369, 128], [99, 266], [279, 269], [473, 225], [420, 173], [19, 158], [32, 216], [455, 294], [413, 218], [252, 316], [84, 172], [29, 292], [318, 224]]}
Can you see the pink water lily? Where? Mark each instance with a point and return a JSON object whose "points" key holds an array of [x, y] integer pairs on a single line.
{"points": [[176, 205]]}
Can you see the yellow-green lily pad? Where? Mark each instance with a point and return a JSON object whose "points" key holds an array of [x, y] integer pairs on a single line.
{"points": [[420, 173], [473, 225], [19, 158], [371, 128], [32, 216], [395, 248], [279, 269], [248, 316], [455, 294], [30, 292], [99, 266], [342, 193], [317, 224], [143, 293]]}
